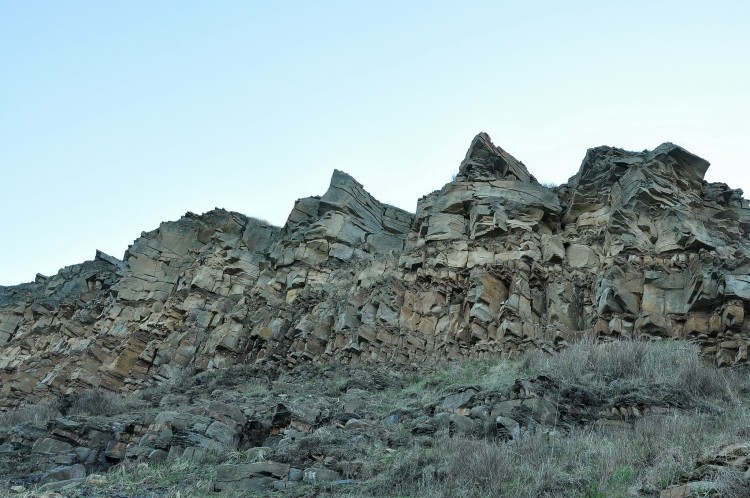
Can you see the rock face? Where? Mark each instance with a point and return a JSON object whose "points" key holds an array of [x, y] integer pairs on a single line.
{"points": [[493, 264]]}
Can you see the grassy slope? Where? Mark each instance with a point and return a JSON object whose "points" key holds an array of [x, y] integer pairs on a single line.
{"points": [[388, 460]]}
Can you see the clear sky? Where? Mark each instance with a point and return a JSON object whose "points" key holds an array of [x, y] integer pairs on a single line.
{"points": [[115, 116]]}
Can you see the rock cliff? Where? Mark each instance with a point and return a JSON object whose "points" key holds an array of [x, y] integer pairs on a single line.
{"points": [[493, 264]]}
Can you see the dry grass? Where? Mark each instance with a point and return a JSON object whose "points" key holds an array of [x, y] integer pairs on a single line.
{"points": [[35, 414], [585, 462], [180, 478], [577, 460], [634, 363], [99, 402]]}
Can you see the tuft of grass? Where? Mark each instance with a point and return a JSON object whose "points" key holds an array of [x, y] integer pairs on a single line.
{"points": [[37, 414], [490, 374], [100, 402], [329, 441], [252, 220], [585, 463], [676, 364], [176, 479]]}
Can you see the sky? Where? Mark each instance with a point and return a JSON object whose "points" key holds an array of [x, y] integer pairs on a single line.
{"points": [[116, 116]]}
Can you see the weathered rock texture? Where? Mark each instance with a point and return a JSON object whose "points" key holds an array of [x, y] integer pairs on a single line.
{"points": [[636, 244]]}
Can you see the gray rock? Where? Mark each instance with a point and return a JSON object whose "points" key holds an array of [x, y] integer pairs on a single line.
{"points": [[507, 428], [355, 424], [288, 413], [284, 485], [255, 484], [295, 475], [50, 446], [505, 408], [83, 454], [158, 456], [249, 477], [543, 411], [63, 486], [320, 475], [426, 428], [463, 425], [222, 433], [462, 399], [173, 400], [258, 469], [66, 473]]}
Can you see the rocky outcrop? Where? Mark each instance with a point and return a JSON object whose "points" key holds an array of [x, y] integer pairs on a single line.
{"points": [[345, 220], [492, 194], [636, 244]]}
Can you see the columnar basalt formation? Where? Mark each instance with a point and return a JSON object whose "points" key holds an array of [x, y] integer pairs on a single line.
{"points": [[491, 265]]}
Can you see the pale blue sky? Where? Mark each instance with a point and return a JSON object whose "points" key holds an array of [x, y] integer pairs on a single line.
{"points": [[116, 116]]}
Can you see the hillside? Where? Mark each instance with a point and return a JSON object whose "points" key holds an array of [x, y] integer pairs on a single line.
{"points": [[206, 337]]}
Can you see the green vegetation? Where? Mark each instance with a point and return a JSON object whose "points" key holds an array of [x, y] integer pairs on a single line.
{"points": [[583, 463], [35, 414], [635, 364], [177, 479], [586, 461], [98, 402], [699, 410]]}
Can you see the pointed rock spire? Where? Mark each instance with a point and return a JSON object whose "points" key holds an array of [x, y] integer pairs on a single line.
{"points": [[485, 160]]}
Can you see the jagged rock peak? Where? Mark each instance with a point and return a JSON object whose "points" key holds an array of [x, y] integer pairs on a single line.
{"points": [[609, 173], [667, 159], [485, 160], [344, 222], [637, 245], [685, 163]]}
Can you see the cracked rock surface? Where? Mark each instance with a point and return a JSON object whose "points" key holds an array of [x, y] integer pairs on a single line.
{"points": [[636, 244]]}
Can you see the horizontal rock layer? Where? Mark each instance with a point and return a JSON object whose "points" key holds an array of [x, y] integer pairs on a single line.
{"points": [[491, 265]]}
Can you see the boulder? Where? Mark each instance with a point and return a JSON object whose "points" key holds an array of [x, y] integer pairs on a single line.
{"points": [[257, 476], [65, 473]]}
